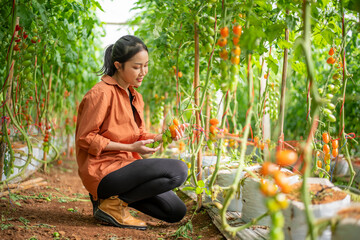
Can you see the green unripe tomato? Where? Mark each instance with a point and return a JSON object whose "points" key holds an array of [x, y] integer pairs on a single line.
{"points": [[272, 205], [327, 111], [331, 87], [210, 39], [329, 96], [210, 31], [330, 106], [331, 118], [208, 47], [211, 19]]}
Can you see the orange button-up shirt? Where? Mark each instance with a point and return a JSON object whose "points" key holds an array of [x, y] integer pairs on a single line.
{"points": [[105, 115]]}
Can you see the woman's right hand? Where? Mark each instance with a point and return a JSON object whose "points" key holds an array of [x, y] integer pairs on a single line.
{"points": [[140, 147]]}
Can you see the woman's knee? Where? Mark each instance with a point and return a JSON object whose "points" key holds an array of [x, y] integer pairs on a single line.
{"points": [[180, 173], [177, 214]]}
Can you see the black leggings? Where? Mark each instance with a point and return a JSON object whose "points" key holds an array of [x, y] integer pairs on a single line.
{"points": [[146, 185]]}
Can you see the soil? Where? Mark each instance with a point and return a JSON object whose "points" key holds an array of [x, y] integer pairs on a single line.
{"points": [[320, 194], [350, 212], [62, 210]]}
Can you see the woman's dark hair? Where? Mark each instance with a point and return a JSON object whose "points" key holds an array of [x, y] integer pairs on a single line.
{"points": [[123, 49]]}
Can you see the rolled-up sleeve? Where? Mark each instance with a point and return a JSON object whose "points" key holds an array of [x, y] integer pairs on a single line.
{"points": [[92, 112]]}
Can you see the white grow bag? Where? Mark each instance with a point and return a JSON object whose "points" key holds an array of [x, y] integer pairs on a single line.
{"points": [[348, 228], [254, 202], [295, 226]]}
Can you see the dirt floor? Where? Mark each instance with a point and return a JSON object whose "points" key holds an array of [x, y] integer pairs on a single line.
{"points": [[62, 210]]}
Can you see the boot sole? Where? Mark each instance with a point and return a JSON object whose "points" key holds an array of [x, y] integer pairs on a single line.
{"points": [[102, 216]]}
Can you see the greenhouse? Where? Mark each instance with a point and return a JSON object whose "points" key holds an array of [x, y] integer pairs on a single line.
{"points": [[211, 119]]}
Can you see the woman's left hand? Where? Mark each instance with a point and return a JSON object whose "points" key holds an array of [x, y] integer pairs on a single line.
{"points": [[180, 131]]}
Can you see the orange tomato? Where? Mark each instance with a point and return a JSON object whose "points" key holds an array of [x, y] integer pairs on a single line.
{"points": [[214, 130], [262, 145], [236, 51], [326, 137], [224, 54], [319, 164], [235, 60], [176, 122], [224, 32], [282, 181], [256, 140], [181, 146], [173, 129], [267, 188], [331, 60], [214, 121], [286, 157], [236, 40], [266, 76], [222, 42], [326, 148], [180, 74], [335, 144], [269, 168], [237, 30], [335, 152], [331, 51]]}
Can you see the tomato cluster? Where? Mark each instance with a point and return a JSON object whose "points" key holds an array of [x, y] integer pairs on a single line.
{"points": [[328, 151], [213, 133], [232, 50], [274, 178], [170, 133], [46, 139], [273, 98], [258, 143]]}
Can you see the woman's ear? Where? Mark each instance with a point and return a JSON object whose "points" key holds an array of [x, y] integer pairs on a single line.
{"points": [[117, 65]]}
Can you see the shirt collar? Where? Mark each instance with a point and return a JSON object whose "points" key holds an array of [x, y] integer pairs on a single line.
{"points": [[111, 81]]}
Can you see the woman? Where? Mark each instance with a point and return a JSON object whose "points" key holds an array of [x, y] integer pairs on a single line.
{"points": [[110, 136]]}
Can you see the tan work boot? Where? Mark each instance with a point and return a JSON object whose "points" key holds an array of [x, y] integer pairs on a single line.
{"points": [[115, 211]]}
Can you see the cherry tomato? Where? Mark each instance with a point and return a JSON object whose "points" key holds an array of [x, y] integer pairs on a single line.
{"points": [[172, 129], [235, 60], [282, 181], [282, 200], [335, 144], [286, 157], [327, 168], [331, 60], [262, 145], [237, 30], [214, 130], [319, 163], [256, 140], [326, 137], [326, 148], [176, 122], [214, 121], [269, 168], [224, 54], [235, 40], [222, 42], [236, 51], [331, 51], [224, 32], [267, 188], [335, 152]]}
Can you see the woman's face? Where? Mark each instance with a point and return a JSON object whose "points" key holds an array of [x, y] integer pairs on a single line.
{"points": [[134, 70]]}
